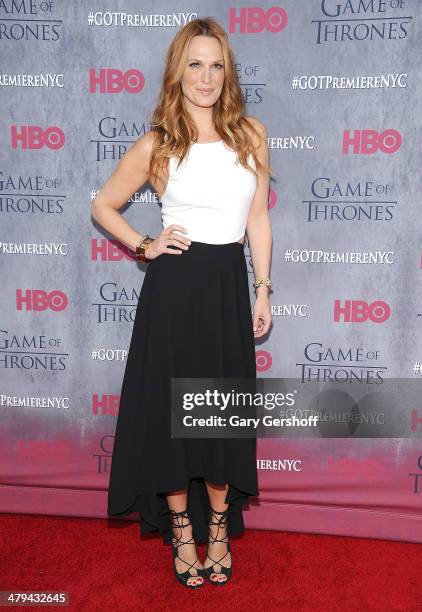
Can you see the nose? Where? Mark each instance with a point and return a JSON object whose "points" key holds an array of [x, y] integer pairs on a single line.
{"points": [[206, 75]]}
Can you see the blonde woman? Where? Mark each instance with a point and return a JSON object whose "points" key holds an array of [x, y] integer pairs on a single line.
{"points": [[209, 164]]}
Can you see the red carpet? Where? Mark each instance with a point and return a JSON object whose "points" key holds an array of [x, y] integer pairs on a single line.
{"points": [[105, 565]]}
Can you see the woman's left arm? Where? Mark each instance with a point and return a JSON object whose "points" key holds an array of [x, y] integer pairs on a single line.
{"points": [[258, 229]]}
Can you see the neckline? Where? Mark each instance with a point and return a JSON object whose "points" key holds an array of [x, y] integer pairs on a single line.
{"points": [[207, 143]]}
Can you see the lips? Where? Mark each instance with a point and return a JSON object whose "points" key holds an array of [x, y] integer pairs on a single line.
{"points": [[205, 90]]}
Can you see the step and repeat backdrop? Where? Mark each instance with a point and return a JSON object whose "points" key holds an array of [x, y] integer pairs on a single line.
{"points": [[338, 86]]}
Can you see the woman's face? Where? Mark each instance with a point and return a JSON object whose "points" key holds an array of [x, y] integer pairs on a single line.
{"points": [[204, 70]]}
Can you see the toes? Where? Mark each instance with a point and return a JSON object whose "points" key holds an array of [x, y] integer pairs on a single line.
{"points": [[218, 577]]}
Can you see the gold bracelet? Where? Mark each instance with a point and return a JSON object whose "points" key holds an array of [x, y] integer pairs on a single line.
{"points": [[141, 248], [262, 281]]}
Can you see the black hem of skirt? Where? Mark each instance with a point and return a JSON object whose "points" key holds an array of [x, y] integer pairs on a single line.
{"points": [[154, 511]]}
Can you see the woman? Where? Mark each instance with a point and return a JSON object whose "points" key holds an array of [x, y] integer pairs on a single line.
{"points": [[193, 316]]}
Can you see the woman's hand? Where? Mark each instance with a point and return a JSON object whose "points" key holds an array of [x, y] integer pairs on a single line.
{"points": [[168, 236], [262, 316]]}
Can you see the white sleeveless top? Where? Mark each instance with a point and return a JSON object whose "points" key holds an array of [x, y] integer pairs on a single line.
{"points": [[210, 194]]}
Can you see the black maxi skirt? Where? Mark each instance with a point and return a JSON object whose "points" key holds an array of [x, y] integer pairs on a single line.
{"points": [[193, 319]]}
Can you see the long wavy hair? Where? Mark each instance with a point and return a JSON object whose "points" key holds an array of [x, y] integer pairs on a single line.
{"points": [[174, 127]]}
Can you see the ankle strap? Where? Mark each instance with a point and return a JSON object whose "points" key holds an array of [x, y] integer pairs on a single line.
{"points": [[181, 513], [221, 517], [220, 511], [176, 518], [222, 520], [223, 514]]}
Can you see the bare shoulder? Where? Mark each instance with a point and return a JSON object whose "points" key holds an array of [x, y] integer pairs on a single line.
{"points": [[141, 149], [257, 123], [260, 128]]}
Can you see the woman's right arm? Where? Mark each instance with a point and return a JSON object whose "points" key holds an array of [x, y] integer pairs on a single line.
{"points": [[131, 174]]}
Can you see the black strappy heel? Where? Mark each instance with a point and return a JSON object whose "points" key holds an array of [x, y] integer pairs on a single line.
{"points": [[184, 576], [208, 571]]}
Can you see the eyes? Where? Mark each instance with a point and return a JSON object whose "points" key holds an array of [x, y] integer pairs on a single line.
{"points": [[217, 65]]}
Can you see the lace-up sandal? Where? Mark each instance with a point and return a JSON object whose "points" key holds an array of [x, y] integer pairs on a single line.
{"points": [[209, 571], [177, 523]]}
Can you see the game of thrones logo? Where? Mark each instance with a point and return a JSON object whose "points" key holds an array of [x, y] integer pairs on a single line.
{"points": [[357, 20]]}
